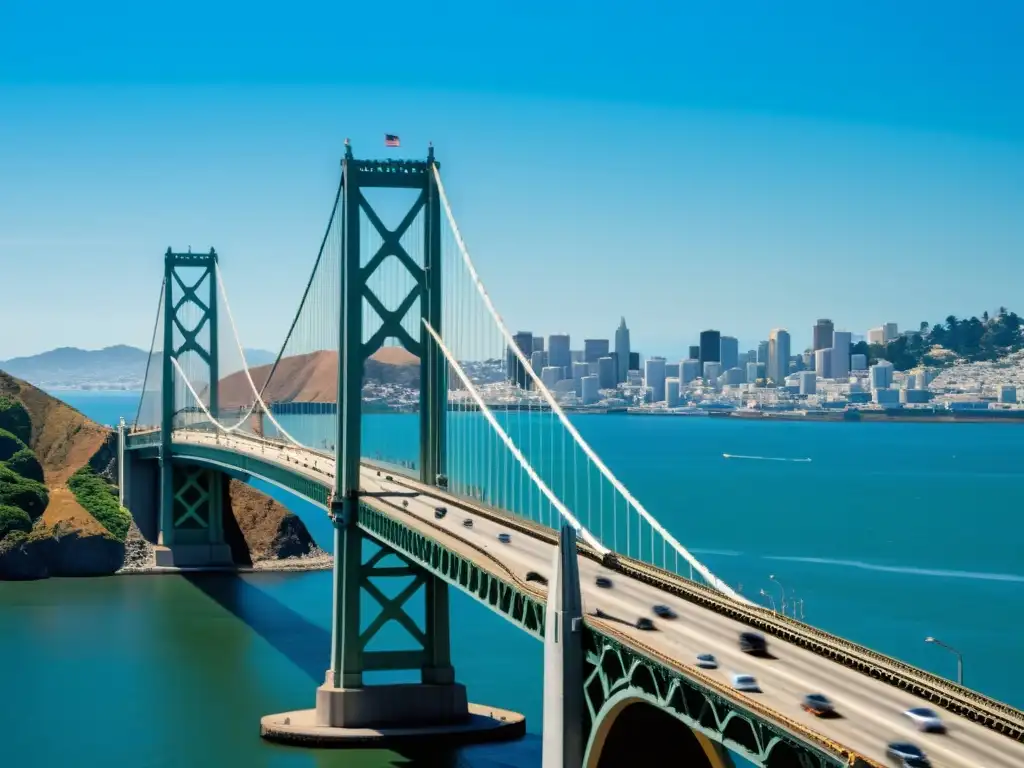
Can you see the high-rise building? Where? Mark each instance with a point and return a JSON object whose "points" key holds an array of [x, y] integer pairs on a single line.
{"points": [[778, 356], [689, 370], [516, 373], [876, 335], [823, 330], [808, 382], [579, 370], [538, 359], [606, 372], [558, 353], [841, 355], [751, 356], [594, 349], [753, 372], [576, 356], [694, 352], [634, 361], [590, 390], [880, 375], [538, 343], [858, 362], [654, 377], [671, 370], [710, 347], [762, 352], [890, 332], [551, 375], [712, 370], [823, 362], [672, 392], [621, 351], [729, 352]]}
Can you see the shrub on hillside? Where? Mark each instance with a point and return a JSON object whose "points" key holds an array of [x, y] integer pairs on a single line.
{"points": [[25, 463], [18, 491], [15, 419], [10, 444], [13, 519], [99, 499]]}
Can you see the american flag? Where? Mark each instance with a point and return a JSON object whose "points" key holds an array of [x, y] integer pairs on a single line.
{"points": [[390, 140]]}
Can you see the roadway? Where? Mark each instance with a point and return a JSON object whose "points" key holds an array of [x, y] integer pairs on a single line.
{"points": [[870, 710]]}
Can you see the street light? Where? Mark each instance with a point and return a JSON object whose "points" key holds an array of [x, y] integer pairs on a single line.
{"points": [[772, 599], [782, 589], [959, 657]]}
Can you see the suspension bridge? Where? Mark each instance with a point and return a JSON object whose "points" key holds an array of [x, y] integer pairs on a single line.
{"points": [[394, 304]]}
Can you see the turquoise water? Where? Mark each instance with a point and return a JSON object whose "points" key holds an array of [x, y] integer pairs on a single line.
{"points": [[891, 533]]}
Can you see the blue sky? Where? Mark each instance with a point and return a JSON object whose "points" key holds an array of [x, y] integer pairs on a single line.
{"points": [[733, 166]]}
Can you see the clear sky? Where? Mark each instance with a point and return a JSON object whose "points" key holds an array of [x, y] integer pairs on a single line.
{"points": [[725, 165]]}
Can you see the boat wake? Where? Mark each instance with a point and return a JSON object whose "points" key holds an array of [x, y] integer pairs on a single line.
{"points": [[762, 458]]}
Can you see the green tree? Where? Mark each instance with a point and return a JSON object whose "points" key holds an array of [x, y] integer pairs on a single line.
{"points": [[25, 463], [14, 418], [10, 444], [13, 519], [18, 491]]}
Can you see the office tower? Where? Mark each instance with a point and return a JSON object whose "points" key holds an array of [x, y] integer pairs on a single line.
{"points": [[710, 347], [634, 361], [778, 356], [729, 352], [621, 351], [808, 382], [594, 349], [579, 370], [606, 372], [516, 373], [558, 352], [762, 352], [537, 362], [671, 369], [823, 363], [576, 356], [694, 352], [654, 377], [753, 372], [551, 375], [823, 330], [538, 343], [807, 358], [712, 370], [841, 355], [880, 375], [672, 392], [732, 377], [635, 379], [876, 335], [689, 370], [751, 356], [858, 362], [890, 332], [590, 390]]}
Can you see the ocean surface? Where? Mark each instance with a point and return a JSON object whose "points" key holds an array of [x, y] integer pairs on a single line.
{"points": [[891, 533]]}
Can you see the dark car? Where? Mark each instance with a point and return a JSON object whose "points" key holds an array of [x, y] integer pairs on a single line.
{"points": [[753, 643], [645, 624], [603, 582], [534, 576], [663, 612], [467, 523], [504, 538], [388, 477], [442, 481], [440, 512], [907, 755], [818, 705]]}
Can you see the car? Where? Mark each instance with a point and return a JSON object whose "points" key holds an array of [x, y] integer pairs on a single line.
{"points": [[745, 683], [388, 477], [467, 523], [926, 720], [908, 755], [603, 582], [504, 538], [818, 705], [534, 576], [440, 512], [442, 481], [663, 612], [645, 624], [707, 661], [378, 473], [405, 502], [753, 643]]}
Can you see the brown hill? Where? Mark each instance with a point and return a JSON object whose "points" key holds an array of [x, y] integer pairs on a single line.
{"points": [[313, 377]]}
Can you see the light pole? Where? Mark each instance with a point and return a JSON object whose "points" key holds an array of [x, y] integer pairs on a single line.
{"points": [[772, 599], [782, 589], [959, 657]]}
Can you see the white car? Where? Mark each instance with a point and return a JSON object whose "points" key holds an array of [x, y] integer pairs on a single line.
{"points": [[926, 720], [707, 661], [745, 683]]}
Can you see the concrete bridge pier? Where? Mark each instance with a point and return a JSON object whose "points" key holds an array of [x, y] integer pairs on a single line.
{"points": [[191, 517]]}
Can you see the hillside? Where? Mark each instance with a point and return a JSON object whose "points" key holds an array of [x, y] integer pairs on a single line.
{"points": [[117, 367], [313, 377], [59, 511]]}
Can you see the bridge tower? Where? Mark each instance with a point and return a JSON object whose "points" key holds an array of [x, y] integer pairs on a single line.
{"points": [[190, 524], [344, 701]]}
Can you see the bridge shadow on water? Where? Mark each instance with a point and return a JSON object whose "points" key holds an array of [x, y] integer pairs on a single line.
{"points": [[307, 645]]}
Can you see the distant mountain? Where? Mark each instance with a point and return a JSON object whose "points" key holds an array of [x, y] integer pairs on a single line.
{"points": [[117, 367]]}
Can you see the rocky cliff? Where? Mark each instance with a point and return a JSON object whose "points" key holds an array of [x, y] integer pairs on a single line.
{"points": [[59, 510]]}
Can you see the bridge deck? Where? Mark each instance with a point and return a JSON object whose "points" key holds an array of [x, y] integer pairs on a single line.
{"points": [[871, 709]]}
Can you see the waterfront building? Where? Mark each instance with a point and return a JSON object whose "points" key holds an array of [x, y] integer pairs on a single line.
{"points": [[689, 370], [654, 378], [808, 381], [590, 389], [1007, 393], [729, 352], [823, 330], [635, 379], [823, 362], [579, 371], [880, 375], [621, 351], [606, 372], [551, 375], [839, 361], [778, 355], [733, 377], [672, 392], [515, 372], [885, 396]]}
